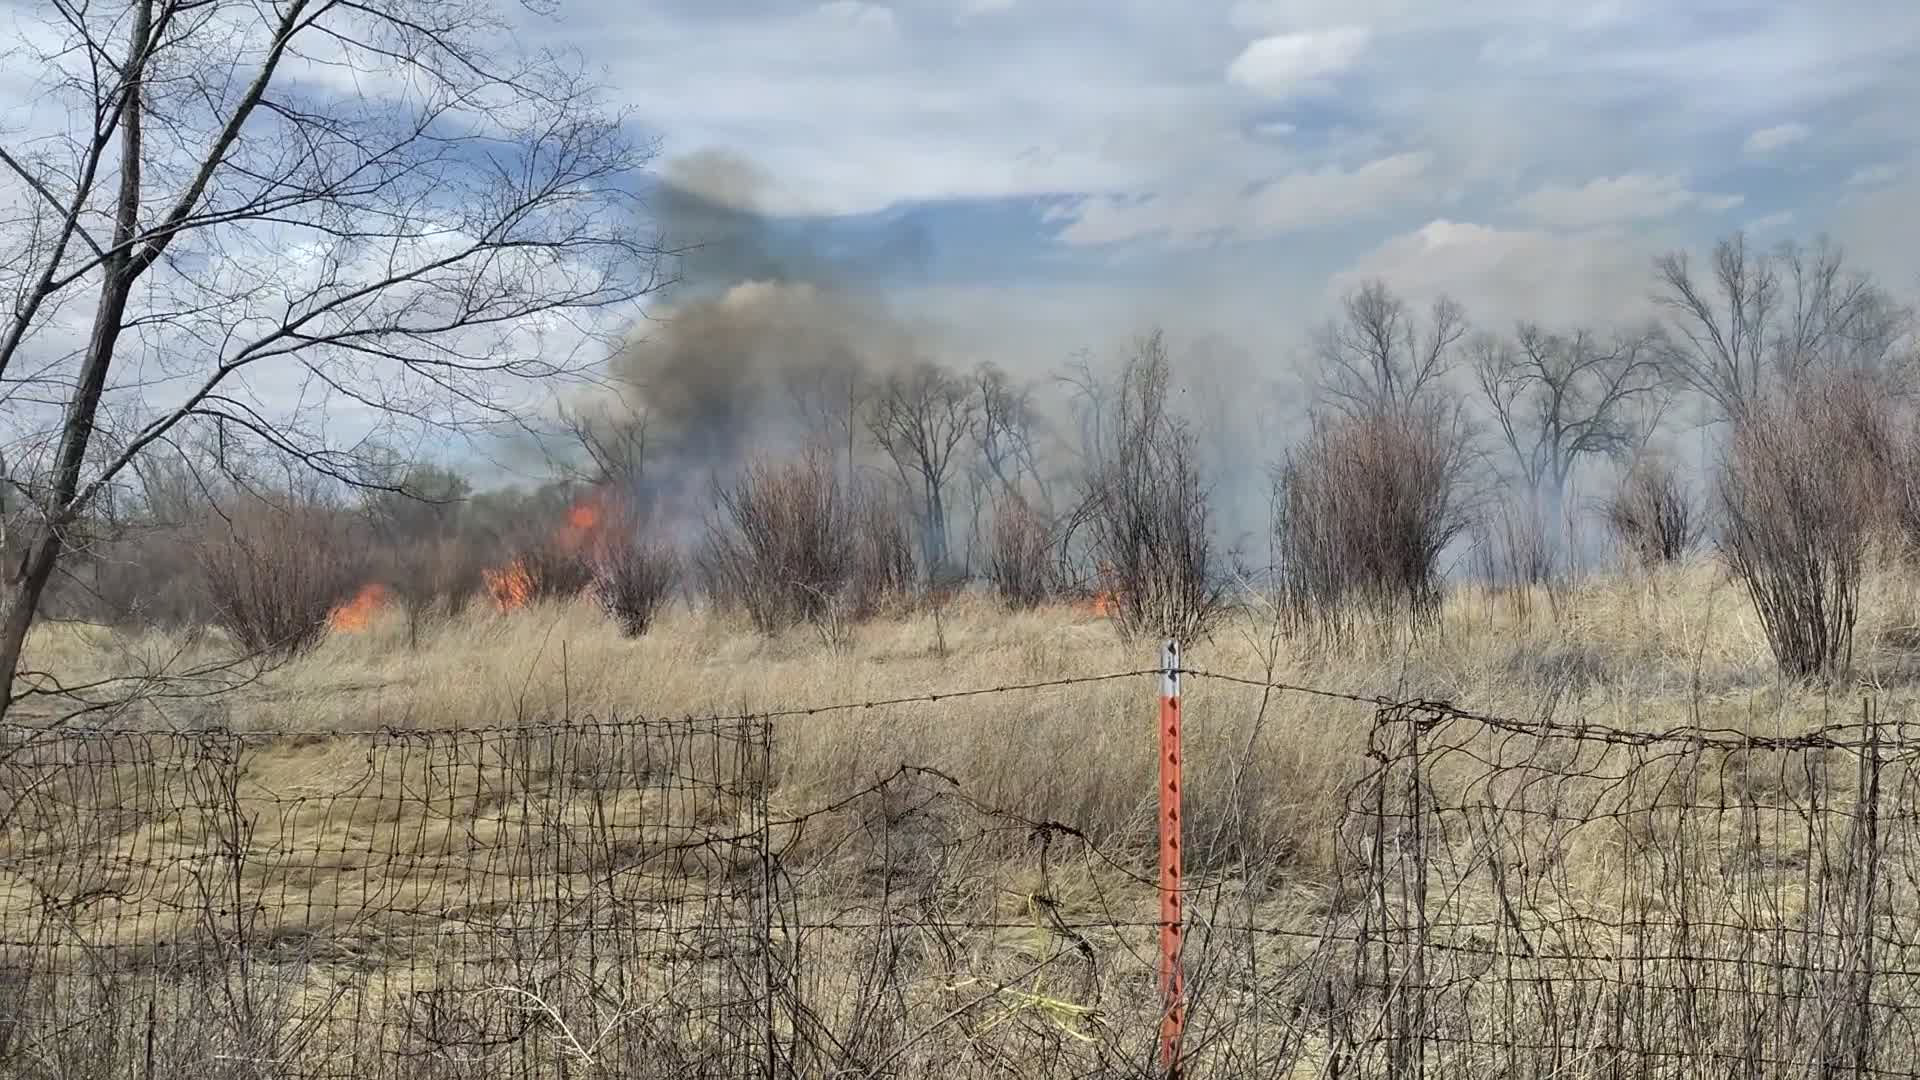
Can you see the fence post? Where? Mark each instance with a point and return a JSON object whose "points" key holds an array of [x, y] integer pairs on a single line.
{"points": [[1172, 982]]}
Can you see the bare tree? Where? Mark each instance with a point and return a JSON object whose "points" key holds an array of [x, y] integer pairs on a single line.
{"points": [[1089, 399], [379, 203], [1007, 433], [1005, 468], [828, 399], [319, 202], [1837, 319], [1376, 356], [921, 416], [423, 505], [610, 444], [1146, 508], [1559, 397], [1764, 320]]}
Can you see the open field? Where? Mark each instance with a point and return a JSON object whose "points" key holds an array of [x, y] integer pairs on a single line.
{"points": [[503, 851]]}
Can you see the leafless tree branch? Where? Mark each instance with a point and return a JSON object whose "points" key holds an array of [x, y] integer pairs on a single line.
{"points": [[373, 213]]}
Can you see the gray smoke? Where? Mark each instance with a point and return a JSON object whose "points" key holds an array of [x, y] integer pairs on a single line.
{"points": [[776, 321], [766, 336]]}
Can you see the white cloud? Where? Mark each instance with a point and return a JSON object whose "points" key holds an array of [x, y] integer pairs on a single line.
{"points": [[1287, 64], [1036, 100], [985, 7], [1594, 276], [1271, 16], [1294, 202], [1610, 200], [1516, 48], [1767, 140], [1880, 231], [1874, 176], [859, 13], [1780, 219]]}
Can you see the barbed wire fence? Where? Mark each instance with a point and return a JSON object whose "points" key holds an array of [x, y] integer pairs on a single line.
{"points": [[642, 897]]}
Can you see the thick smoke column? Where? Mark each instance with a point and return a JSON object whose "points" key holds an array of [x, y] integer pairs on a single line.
{"points": [[765, 343], [763, 365]]}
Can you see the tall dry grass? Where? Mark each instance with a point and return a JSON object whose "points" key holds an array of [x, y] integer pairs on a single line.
{"points": [[1269, 774], [1655, 651]]}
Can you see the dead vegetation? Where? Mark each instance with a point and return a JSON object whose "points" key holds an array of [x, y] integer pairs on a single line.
{"points": [[430, 892]]}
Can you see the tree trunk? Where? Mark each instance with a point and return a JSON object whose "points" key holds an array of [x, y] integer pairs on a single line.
{"points": [[936, 530], [28, 584], [29, 580]]}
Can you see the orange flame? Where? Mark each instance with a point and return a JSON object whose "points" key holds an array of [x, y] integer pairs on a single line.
{"points": [[511, 586], [1104, 597], [357, 614], [585, 520]]}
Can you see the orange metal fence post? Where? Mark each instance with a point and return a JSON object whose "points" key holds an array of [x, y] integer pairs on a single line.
{"points": [[1172, 982]]}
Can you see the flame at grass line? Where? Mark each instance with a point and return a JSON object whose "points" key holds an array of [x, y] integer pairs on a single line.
{"points": [[357, 614], [512, 586], [1104, 598]]}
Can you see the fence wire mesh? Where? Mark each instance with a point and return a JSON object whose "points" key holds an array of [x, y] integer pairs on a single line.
{"points": [[1577, 900], [645, 898]]}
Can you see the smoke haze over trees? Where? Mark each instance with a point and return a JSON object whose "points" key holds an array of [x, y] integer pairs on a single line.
{"points": [[236, 298]]}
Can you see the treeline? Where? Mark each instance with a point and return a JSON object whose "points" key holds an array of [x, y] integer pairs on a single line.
{"points": [[1428, 437]]}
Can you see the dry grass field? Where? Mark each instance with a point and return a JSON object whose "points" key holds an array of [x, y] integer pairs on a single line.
{"points": [[1270, 778], [1644, 651]]}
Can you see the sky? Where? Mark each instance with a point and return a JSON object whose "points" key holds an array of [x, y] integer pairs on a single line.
{"points": [[1066, 171], [1031, 178]]}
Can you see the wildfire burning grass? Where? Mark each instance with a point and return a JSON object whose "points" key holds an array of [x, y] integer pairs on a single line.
{"points": [[1651, 652], [510, 586], [358, 613], [1648, 652], [1629, 651]]}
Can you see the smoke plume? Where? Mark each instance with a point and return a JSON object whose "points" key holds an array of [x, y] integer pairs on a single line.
{"points": [[767, 339]]}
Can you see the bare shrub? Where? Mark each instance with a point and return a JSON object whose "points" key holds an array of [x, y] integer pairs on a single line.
{"points": [[539, 569], [882, 567], [1903, 497], [274, 573], [632, 575], [147, 578], [1145, 508], [453, 572], [434, 578], [633, 581], [1363, 510], [1899, 510], [1020, 555], [1652, 515], [1800, 489], [776, 546]]}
